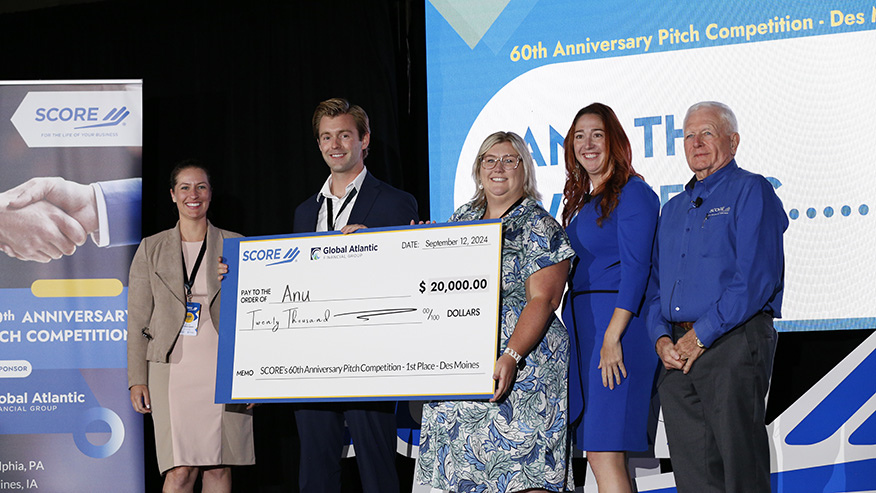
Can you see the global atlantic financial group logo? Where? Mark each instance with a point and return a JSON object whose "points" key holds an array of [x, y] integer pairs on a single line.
{"points": [[337, 252], [80, 118]]}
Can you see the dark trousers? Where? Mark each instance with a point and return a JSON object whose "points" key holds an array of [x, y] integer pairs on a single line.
{"points": [[714, 415], [321, 431]]}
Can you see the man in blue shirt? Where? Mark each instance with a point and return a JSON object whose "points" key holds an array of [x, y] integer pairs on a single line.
{"points": [[719, 268]]}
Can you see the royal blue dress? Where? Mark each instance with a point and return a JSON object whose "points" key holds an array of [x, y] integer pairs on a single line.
{"points": [[611, 271]]}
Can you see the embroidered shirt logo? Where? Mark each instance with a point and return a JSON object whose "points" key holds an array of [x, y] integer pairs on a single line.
{"points": [[718, 211]]}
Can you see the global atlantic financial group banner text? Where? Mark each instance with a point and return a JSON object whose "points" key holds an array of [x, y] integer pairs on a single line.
{"points": [[70, 167]]}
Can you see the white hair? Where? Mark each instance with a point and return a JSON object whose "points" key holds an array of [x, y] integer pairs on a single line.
{"points": [[723, 110]]}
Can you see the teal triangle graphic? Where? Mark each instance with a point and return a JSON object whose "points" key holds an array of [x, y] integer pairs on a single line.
{"points": [[470, 19]]}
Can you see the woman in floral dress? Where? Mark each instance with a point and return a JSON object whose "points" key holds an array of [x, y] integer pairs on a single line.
{"points": [[516, 441]]}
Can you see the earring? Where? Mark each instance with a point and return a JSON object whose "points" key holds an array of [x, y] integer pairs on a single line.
{"points": [[480, 186]]}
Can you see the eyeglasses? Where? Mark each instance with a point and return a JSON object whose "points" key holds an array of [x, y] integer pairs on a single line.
{"points": [[508, 162]]}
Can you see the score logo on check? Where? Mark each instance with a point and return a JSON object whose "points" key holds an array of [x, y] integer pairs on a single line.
{"points": [[266, 254]]}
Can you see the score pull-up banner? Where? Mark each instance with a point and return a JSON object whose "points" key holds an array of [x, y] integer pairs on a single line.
{"points": [[70, 195]]}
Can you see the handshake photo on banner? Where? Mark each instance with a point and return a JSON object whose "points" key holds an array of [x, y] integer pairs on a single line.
{"points": [[46, 218]]}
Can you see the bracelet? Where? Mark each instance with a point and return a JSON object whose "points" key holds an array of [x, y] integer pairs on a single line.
{"points": [[514, 354]]}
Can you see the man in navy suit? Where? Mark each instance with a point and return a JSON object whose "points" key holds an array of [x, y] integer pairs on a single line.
{"points": [[349, 200]]}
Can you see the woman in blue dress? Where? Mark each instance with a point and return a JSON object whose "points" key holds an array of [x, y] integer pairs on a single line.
{"points": [[610, 215], [517, 441]]}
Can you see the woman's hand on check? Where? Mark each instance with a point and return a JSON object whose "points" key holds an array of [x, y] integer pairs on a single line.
{"points": [[222, 268]]}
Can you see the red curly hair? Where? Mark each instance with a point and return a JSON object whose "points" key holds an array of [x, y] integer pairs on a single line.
{"points": [[620, 162]]}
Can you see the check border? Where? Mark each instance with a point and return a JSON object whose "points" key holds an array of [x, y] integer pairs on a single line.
{"points": [[225, 371]]}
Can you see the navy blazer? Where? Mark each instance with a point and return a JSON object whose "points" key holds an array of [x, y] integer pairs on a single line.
{"points": [[377, 205]]}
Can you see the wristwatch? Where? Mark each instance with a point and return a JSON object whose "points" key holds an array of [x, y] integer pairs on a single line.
{"points": [[699, 342], [514, 354], [518, 359]]}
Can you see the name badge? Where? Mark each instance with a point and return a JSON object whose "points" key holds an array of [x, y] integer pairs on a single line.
{"points": [[193, 315]]}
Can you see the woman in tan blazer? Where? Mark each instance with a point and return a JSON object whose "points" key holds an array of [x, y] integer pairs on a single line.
{"points": [[173, 314]]}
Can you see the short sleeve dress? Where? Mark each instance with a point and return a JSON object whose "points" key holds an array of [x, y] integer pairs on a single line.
{"points": [[611, 270], [520, 442]]}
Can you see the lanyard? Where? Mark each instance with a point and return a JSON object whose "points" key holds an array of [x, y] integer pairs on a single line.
{"points": [[513, 206], [189, 280], [330, 218]]}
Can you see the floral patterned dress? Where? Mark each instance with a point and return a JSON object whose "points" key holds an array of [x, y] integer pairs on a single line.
{"points": [[520, 442]]}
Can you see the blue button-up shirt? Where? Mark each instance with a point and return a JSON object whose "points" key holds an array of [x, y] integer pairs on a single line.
{"points": [[719, 256]]}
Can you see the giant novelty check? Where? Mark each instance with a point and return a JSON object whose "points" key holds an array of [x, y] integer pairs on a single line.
{"points": [[380, 314]]}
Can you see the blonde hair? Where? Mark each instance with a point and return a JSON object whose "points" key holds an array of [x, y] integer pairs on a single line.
{"points": [[530, 188]]}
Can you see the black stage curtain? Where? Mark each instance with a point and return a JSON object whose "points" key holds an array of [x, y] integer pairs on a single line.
{"points": [[235, 84]]}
